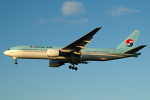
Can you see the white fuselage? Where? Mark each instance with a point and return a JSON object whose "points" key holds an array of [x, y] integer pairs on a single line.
{"points": [[86, 56]]}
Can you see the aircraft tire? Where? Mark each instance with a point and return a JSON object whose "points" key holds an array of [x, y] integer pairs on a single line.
{"points": [[73, 68], [70, 67], [16, 63], [76, 68]]}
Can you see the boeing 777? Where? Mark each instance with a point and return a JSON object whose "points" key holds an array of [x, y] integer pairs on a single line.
{"points": [[76, 53]]}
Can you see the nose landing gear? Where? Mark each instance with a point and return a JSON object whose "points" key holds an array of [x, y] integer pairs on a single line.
{"points": [[15, 60]]}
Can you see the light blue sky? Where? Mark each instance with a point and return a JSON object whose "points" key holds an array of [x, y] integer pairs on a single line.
{"points": [[58, 23]]}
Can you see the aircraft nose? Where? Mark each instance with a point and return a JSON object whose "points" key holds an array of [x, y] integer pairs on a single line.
{"points": [[6, 52]]}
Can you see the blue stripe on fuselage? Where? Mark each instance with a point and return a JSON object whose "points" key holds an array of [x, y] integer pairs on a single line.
{"points": [[44, 48]]}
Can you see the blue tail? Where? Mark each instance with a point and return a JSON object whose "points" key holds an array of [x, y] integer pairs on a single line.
{"points": [[130, 41]]}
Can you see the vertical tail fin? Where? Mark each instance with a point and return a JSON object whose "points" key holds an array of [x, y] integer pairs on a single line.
{"points": [[130, 41]]}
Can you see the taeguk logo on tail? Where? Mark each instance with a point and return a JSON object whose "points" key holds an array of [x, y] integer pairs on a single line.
{"points": [[129, 42]]}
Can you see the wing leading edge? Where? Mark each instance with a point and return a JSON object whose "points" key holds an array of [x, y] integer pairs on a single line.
{"points": [[80, 44]]}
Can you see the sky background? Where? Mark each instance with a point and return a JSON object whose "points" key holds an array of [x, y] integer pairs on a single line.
{"points": [[60, 22]]}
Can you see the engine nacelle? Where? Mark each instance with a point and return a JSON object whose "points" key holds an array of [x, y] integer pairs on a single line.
{"points": [[53, 53], [53, 63]]}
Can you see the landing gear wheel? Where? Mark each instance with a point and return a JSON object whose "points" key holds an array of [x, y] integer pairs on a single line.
{"points": [[73, 68], [70, 67], [16, 63], [76, 68]]}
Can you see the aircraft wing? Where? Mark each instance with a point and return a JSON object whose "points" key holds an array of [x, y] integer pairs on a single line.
{"points": [[80, 44]]}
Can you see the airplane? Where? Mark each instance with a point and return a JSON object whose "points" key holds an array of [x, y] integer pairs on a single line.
{"points": [[76, 53]]}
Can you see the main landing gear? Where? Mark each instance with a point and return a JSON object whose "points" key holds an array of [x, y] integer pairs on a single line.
{"points": [[73, 68]]}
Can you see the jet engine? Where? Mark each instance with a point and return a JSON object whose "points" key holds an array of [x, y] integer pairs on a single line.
{"points": [[53, 63], [53, 53]]}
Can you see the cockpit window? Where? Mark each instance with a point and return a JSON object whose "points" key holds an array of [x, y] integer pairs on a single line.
{"points": [[8, 49]]}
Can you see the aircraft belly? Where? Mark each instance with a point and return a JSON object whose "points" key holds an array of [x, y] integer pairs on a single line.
{"points": [[101, 57]]}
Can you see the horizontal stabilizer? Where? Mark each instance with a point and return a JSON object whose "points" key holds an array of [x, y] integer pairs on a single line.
{"points": [[134, 50]]}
